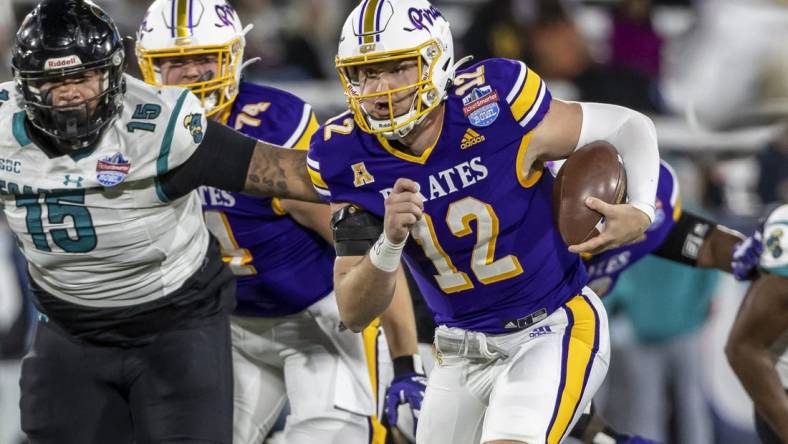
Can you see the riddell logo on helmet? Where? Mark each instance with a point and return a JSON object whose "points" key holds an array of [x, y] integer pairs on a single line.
{"points": [[62, 62]]}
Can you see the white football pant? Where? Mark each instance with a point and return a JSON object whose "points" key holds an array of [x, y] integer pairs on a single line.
{"points": [[325, 373], [532, 387]]}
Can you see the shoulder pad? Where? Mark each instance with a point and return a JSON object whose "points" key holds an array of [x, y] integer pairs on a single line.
{"points": [[520, 88], [273, 115]]}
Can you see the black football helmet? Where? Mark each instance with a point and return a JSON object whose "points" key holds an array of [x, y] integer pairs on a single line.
{"points": [[62, 38]]}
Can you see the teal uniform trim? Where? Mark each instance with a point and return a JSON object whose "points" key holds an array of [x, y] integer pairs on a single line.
{"points": [[21, 136], [162, 164], [780, 271], [19, 130], [82, 153]]}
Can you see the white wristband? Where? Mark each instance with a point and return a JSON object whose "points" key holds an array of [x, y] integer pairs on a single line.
{"points": [[646, 208], [385, 255]]}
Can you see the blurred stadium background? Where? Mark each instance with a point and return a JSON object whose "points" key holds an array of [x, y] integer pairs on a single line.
{"points": [[713, 74]]}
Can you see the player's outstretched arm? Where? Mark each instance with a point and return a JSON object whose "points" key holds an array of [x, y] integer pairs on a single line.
{"points": [[568, 126], [762, 319], [717, 250], [279, 172], [231, 161], [698, 242]]}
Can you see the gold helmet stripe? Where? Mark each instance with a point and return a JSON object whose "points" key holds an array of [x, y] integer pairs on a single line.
{"points": [[182, 17], [368, 29]]}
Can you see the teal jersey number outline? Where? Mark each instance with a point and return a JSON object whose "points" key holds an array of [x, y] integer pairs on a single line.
{"points": [[148, 111], [60, 205]]}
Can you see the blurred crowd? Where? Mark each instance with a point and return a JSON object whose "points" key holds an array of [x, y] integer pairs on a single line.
{"points": [[709, 70], [713, 74]]}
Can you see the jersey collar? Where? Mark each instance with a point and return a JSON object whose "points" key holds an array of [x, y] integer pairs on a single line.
{"points": [[421, 159]]}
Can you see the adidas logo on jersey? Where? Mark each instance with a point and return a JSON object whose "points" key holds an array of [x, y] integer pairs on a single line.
{"points": [[470, 139], [539, 331]]}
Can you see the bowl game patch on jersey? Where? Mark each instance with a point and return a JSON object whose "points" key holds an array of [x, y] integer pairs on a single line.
{"points": [[480, 106], [112, 170]]}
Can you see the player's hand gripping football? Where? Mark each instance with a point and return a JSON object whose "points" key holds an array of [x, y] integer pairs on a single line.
{"points": [[623, 224], [403, 208]]}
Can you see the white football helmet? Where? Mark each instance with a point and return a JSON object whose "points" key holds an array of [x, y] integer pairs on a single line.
{"points": [[189, 28], [385, 30]]}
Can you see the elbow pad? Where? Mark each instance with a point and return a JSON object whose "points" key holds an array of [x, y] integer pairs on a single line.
{"points": [[355, 230]]}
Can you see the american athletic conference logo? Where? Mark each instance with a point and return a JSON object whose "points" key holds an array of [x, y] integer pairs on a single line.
{"points": [[112, 170]]}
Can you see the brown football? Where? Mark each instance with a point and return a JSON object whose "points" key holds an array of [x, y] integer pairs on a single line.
{"points": [[593, 170]]}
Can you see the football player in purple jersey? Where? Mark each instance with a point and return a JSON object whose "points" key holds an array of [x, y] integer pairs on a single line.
{"points": [[287, 340], [677, 235], [448, 164]]}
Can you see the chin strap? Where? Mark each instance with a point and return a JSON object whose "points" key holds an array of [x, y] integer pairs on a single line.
{"points": [[457, 66], [246, 63], [249, 62], [459, 63]]}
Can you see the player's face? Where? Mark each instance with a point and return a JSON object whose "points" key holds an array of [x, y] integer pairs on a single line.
{"points": [[386, 76], [72, 90], [185, 70]]}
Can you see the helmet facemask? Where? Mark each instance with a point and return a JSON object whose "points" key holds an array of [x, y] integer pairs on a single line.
{"points": [[79, 124], [425, 96], [216, 92]]}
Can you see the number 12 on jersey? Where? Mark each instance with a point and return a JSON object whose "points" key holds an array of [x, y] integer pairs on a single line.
{"points": [[483, 263]]}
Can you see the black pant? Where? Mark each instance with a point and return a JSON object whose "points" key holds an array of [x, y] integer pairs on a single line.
{"points": [[178, 388]]}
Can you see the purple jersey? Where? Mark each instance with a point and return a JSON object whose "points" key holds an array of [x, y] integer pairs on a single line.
{"points": [[604, 269], [281, 267], [486, 255]]}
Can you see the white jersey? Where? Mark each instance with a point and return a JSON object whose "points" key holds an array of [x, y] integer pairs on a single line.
{"points": [[774, 259], [94, 225]]}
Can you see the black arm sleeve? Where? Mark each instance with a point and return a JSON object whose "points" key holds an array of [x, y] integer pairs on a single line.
{"points": [[685, 240], [355, 230], [221, 161]]}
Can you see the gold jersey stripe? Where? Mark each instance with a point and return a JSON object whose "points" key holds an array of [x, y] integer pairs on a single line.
{"points": [[529, 178], [306, 137], [677, 209], [316, 179], [528, 95]]}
